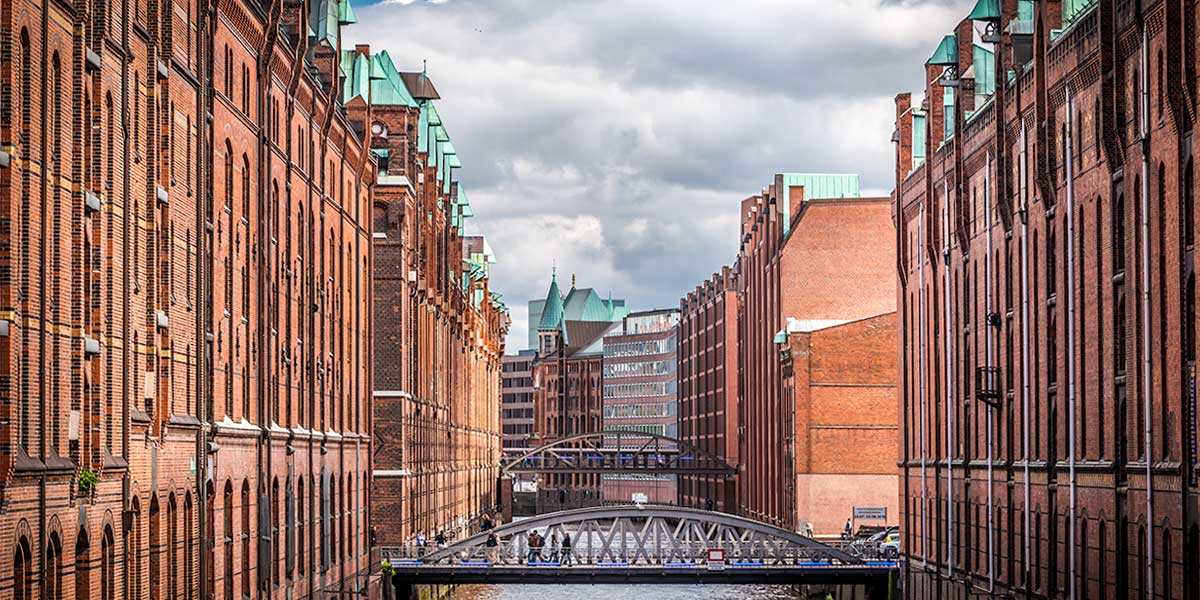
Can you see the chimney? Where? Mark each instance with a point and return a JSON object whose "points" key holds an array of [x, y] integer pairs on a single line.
{"points": [[964, 96], [935, 115], [903, 133]]}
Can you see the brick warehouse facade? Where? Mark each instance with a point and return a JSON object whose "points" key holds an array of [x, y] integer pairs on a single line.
{"points": [[1046, 210], [439, 328], [814, 255], [708, 386], [185, 302], [568, 383]]}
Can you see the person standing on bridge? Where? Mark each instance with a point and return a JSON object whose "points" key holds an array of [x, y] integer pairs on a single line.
{"points": [[567, 557], [492, 544], [486, 524], [554, 547], [533, 551], [440, 539], [420, 543]]}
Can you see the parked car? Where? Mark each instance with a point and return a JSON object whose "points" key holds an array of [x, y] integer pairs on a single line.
{"points": [[889, 548]]}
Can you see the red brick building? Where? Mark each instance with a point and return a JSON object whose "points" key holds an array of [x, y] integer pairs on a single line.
{"points": [[843, 380], [708, 386], [439, 329], [814, 258], [1046, 210], [184, 308], [567, 383]]}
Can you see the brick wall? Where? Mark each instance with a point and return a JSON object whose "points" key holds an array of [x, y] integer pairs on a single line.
{"points": [[1087, 440], [186, 292]]}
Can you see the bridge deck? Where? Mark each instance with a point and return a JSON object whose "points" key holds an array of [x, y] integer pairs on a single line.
{"points": [[814, 574]]}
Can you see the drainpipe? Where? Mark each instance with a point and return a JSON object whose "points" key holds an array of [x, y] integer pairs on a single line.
{"points": [[949, 374], [987, 329], [1144, 127], [1071, 395], [1025, 329], [921, 369]]}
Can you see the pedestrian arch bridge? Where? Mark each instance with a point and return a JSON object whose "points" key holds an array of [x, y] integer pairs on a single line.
{"points": [[615, 452], [638, 544]]}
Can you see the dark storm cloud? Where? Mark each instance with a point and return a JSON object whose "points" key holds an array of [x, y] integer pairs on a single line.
{"points": [[617, 138]]}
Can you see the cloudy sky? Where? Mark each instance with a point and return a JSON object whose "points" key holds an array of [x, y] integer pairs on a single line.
{"points": [[616, 138]]}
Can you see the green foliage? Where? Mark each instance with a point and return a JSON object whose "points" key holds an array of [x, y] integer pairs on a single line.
{"points": [[87, 480]]}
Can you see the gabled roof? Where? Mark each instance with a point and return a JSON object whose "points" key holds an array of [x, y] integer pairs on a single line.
{"points": [[324, 18], [584, 304]]}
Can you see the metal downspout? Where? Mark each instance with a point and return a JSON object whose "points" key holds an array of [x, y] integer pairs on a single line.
{"points": [[949, 374], [1025, 333], [921, 368], [1071, 392], [987, 278], [1144, 127]]}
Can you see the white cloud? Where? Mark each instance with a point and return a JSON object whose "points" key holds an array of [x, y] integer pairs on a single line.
{"points": [[618, 137]]}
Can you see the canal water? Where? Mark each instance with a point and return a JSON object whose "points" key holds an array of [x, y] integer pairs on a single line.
{"points": [[623, 592]]}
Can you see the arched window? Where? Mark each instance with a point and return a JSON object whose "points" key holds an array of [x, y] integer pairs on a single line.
{"points": [[1140, 563], [245, 188], [1103, 552], [276, 538], [1167, 557], [301, 541], [1160, 89], [133, 549], [155, 550], [189, 575], [1051, 258], [22, 566], [172, 547], [1118, 233], [247, 590], [227, 507], [108, 574], [333, 520], [52, 571], [1084, 558], [228, 175]]}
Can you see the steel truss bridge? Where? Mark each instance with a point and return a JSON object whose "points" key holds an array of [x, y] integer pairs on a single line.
{"points": [[616, 452], [638, 544]]}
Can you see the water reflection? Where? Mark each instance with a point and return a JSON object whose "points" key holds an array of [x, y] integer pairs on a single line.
{"points": [[618, 592]]}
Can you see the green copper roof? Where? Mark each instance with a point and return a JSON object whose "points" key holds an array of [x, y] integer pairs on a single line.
{"points": [[387, 88], [324, 21], [946, 52], [346, 13], [358, 77], [434, 118], [816, 186], [552, 312], [985, 10], [380, 152]]}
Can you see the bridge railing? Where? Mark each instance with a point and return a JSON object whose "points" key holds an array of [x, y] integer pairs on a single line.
{"points": [[516, 551]]}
